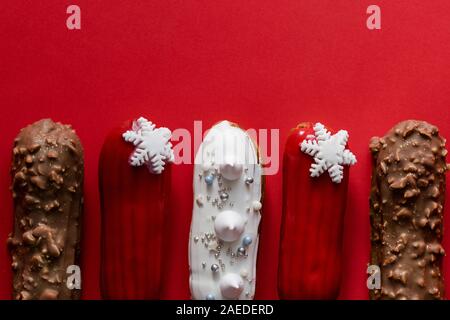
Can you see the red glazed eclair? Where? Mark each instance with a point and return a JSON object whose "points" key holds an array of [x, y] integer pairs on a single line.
{"points": [[314, 201], [406, 211], [47, 172], [134, 181]]}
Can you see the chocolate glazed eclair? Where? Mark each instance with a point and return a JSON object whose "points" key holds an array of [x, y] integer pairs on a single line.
{"points": [[47, 188], [406, 211]]}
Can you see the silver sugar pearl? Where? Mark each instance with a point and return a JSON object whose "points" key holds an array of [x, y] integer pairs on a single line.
{"points": [[209, 179], [241, 251], [249, 180], [214, 267], [246, 241], [223, 196]]}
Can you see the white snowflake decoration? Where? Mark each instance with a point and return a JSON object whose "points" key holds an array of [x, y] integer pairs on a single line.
{"points": [[329, 152], [153, 146]]}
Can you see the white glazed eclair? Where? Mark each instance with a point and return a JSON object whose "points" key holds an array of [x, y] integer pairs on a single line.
{"points": [[223, 241]]}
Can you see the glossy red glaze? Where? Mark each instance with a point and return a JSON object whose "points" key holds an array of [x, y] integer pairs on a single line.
{"points": [[133, 206], [310, 256]]}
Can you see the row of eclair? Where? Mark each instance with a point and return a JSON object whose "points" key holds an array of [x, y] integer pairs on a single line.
{"points": [[406, 211]]}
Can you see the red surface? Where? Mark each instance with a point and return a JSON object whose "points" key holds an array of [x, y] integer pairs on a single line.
{"points": [[312, 225], [263, 64]]}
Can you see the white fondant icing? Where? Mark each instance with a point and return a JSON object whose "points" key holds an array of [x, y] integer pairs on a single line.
{"points": [[206, 166], [224, 220], [153, 146], [329, 152]]}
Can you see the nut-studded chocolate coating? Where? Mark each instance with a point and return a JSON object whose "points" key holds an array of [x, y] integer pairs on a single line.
{"points": [[47, 188], [406, 202]]}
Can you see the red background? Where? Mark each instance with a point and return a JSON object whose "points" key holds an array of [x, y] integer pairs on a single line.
{"points": [[263, 64]]}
